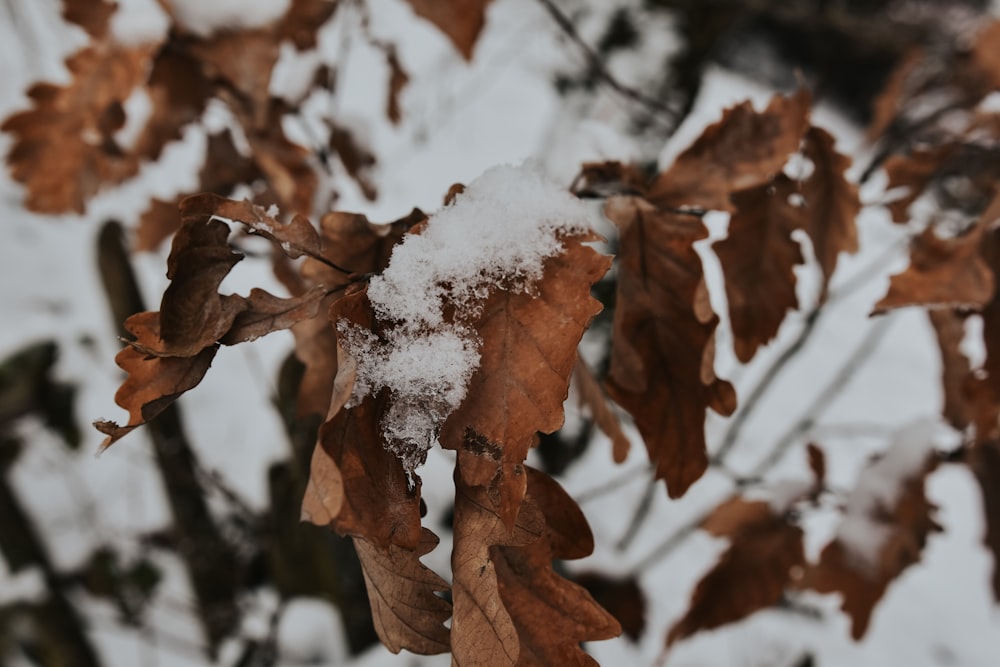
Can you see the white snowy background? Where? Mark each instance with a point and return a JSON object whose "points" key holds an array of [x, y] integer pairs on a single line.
{"points": [[459, 119]]}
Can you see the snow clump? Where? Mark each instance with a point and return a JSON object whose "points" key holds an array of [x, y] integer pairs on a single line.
{"points": [[496, 235]]}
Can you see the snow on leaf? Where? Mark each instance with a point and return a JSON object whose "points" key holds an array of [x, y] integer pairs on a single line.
{"points": [[663, 350], [460, 20], [402, 591], [528, 343], [376, 501], [153, 383], [64, 148], [510, 607], [745, 149], [757, 258], [885, 526], [752, 574]]}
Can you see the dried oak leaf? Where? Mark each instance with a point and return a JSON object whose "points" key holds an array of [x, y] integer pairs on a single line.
{"points": [[241, 60], [745, 149], [357, 486], [460, 20], [94, 16], [528, 347], [398, 79], [914, 172], [986, 55], [621, 596], [64, 149], [407, 612], [592, 395], [984, 460], [357, 159], [352, 242], [942, 272], [956, 371], [303, 19], [285, 164], [831, 203], [152, 384], [758, 256], [296, 238], [662, 354], [510, 607], [894, 524], [753, 572]]}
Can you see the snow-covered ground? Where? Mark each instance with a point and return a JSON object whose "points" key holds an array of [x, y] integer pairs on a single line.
{"points": [[459, 119]]}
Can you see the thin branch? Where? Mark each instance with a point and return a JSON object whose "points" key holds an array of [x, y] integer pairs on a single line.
{"points": [[600, 70], [757, 393], [612, 485], [641, 511], [808, 418]]}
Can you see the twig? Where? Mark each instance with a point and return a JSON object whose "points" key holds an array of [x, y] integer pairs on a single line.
{"points": [[758, 392], [825, 397], [599, 69], [612, 485], [641, 511], [674, 540]]}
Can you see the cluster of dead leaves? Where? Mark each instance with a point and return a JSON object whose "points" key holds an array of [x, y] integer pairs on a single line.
{"points": [[67, 146], [948, 173], [662, 352], [512, 521]]}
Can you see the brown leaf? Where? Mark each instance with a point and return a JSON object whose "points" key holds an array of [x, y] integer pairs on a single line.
{"points": [[350, 241], [193, 315], [397, 81], [894, 94], [370, 495], [263, 313], [986, 54], [831, 203], [94, 16], [984, 460], [511, 608], [357, 159], [64, 149], [153, 383], [914, 172], [817, 464], [592, 395], [757, 258], [156, 224], [303, 19], [377, 503], [286, 165], [402, 591], [242, 61], [956, 372], [460, 20], [621, 596], [603, 179], [894, 533], [942, 272], [178, 92], [296, 238], [743, 150], [751, 575], [528, 343], [663, 351]]}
